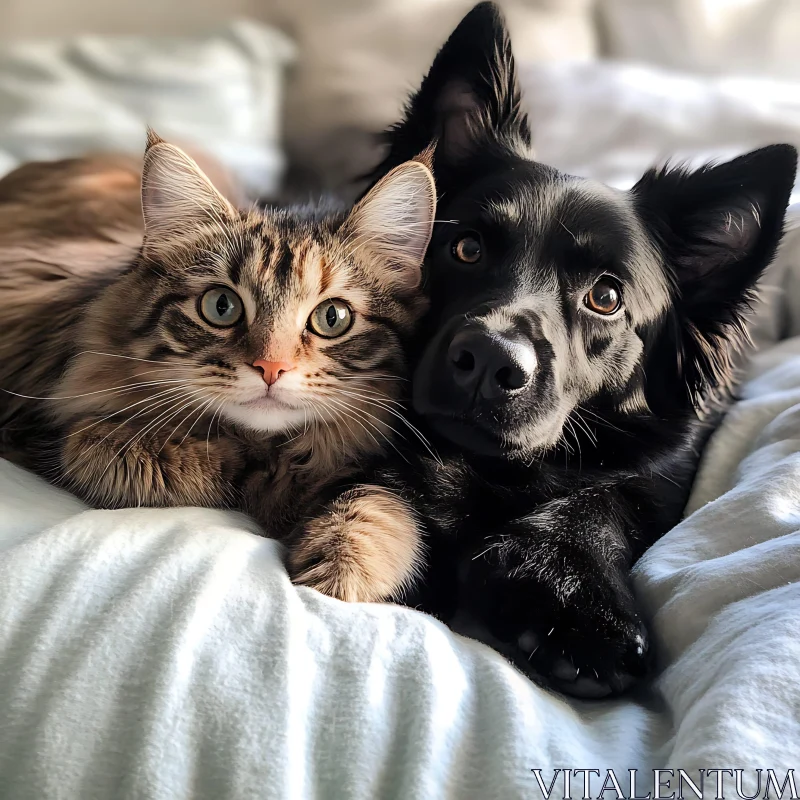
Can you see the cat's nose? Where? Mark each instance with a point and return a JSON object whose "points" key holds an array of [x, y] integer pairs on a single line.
{"points": [[272, 370]]}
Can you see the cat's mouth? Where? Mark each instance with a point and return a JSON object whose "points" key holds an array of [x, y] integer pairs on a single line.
{"points": [[268, 400], [267, 412]]}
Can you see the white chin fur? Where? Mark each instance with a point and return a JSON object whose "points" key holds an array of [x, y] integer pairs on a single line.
{"points": [[272, 420]]}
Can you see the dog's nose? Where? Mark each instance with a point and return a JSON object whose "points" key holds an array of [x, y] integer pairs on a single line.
{"points": [[272, 370], [490, 364]]}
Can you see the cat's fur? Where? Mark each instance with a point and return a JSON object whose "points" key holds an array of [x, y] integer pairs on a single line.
{"points": [[67, 228], [147, 403]]}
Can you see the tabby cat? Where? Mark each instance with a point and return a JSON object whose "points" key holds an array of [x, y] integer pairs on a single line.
{"points": [[235, 359]]}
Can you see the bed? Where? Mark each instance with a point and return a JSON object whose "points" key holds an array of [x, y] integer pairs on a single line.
{"points": [[165, 654]]}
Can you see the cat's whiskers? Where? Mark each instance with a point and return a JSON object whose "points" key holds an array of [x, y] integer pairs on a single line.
{"points": [[123, 389], [357, 407], [295, 437], [177, 396], [182, 368], [363, 383], [371, 393], [369, 378], [138, 435], [358, 410], [341, 434], [199, 396], [338, 414], [340, 408], [323, 387], [376, 398], [337, 419], [377, 419], [210, 423], [174, 389], [81, 461], [349, 412], [141, 434], [169, 401], [200, 413], [111, 391], [384, 405], [311, 428], [119, 355]]}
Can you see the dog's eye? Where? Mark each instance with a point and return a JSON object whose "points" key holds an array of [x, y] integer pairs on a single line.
{"points": [[467, 249], [605, 297]]}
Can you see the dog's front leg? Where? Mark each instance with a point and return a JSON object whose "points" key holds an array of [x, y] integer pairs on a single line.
{"points": [[554, 587]]}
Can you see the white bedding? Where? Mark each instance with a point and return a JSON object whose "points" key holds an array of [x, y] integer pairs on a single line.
{"points": [[164, 653]]}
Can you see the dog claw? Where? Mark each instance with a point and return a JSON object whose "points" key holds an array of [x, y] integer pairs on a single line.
{"points": [[528, 642], [587, 689], [563, 670]]}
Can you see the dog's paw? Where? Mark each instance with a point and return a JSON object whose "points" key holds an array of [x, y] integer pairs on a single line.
{"points": [[585, 663], [592, 647]]}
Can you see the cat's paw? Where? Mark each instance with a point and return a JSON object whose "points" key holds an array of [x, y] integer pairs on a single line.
{"points": [[362, 547], [113, 466]]}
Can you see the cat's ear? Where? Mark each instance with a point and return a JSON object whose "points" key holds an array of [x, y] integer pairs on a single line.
{"points": [[718, 229], [177, 197], [469, 97], [391, 226]]}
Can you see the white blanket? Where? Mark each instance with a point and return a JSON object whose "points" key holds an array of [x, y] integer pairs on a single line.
{"points": [[164, 653]]}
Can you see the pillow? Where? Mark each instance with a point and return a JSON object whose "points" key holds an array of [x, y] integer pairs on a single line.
{"points": [[222, 91], [614, 121], [361, 58], [758, 37]]}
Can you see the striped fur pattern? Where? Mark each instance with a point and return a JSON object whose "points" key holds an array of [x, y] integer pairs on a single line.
{"points": [[67, 229], [148, 402]]}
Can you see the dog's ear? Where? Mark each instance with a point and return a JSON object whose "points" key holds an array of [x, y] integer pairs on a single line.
{"points": [[718, 229], [470, 95]]}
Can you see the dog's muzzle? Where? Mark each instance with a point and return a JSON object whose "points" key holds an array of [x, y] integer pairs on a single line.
{"points": [[489, 366], [467, 379]]}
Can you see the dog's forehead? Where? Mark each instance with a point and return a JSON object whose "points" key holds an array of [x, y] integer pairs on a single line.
{"points": [[558, 216], [550, 204]]}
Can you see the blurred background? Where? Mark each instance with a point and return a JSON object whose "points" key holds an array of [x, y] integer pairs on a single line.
{"points": [[289, 93]]}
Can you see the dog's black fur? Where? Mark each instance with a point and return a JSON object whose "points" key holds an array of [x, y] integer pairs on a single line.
{"points": [[568, 437]]}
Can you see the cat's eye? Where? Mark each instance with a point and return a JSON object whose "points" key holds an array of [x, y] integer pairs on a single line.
{"points": [[330, 319], [605, 297], [467, 248], [221, 307]]}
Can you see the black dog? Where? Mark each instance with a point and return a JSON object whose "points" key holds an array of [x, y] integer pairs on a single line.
{"points": [[577, 337]]}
